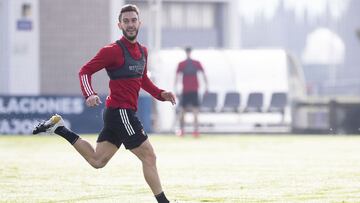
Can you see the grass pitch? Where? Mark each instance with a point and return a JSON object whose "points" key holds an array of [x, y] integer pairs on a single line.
{"points": [[246, 168]]}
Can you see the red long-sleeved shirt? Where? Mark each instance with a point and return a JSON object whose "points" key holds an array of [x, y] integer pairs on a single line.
{"points": [[124, 93]]}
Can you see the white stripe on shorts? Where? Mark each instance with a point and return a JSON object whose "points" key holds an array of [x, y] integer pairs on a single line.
{"points": [[126, 122]]}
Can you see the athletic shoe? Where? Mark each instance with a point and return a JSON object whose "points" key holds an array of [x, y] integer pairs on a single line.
{"points": [[50, 125], [180, 133]]}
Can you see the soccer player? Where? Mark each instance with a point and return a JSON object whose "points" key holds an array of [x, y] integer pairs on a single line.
{"points": [[188, 69], [126, 64]]}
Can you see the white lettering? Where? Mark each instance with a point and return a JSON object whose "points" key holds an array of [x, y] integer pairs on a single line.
{"points": [[54, 106], [20, 126], [66, 105], [41, 105], [13, 106], [2, 107], [5, 127], [78, 106], [24, 105]]}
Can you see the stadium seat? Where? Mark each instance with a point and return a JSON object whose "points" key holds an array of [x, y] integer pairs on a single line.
{"points": [[254, 102], [278, 102], [209, 102], [232, 102]]}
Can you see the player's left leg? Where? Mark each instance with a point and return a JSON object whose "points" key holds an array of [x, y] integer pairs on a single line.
{"points": [[195, 111], [96, 157], [145, 153], [56, 125]]}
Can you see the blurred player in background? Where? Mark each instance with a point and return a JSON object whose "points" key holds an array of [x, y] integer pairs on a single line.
{"points": [[189, 69], [125, 62]]}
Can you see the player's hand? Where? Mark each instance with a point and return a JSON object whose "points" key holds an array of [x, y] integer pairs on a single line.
{"points": [[168, 96], [93, 100]]}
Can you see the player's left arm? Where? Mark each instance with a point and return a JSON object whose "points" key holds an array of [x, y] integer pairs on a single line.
{"points": [[152, 89], [177, 76], [204, 76], [159, 94]]}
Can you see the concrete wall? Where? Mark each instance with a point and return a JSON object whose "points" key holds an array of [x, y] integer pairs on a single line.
{"points": [[70, 36]]}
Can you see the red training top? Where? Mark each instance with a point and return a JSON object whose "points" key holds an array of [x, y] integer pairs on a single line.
{"points": [[189, 69], [124, 92]]}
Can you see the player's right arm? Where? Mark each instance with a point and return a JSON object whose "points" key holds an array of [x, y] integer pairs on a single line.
{"points": [[104, 58]]}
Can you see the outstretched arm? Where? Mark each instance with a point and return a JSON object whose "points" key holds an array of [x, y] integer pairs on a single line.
{"points": [[152, 89], [204, 76], [159, 94], [206, 81], [176, 82]]}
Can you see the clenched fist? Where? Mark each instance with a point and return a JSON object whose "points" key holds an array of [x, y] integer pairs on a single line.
{"points": [[93, 100], [168, 96]]}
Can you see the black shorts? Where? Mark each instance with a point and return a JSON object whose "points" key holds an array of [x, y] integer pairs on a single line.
{"points": [[122, 126], [190, 99]]}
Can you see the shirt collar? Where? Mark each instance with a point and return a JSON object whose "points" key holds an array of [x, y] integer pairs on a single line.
{"points": [[127, 42]]}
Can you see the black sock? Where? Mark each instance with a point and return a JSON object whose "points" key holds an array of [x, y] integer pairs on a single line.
{"points": [[161, 198], [67, 134]]}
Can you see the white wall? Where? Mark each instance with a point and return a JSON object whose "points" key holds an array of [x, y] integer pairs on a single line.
{"points": [[4, 43], [23, 49], [19, 49], [243, 71], [232, 22]]}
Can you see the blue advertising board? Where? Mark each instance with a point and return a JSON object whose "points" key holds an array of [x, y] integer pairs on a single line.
{"points": [[19, 114]]}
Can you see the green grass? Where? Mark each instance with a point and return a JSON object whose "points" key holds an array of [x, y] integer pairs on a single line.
{"points": [[246, 168]]}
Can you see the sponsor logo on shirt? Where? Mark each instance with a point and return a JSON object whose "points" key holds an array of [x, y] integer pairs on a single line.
{"points": [[136, 68]]}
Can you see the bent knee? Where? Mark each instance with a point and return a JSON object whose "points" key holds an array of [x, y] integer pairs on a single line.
{"points": [[97, 164], [150, 159]]}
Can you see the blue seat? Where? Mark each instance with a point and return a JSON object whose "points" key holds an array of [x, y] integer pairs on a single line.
{"points": [[209, 102], [278, 102], [232, 102], [255, 102]]}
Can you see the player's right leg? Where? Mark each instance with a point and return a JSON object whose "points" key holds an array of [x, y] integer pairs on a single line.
{"points": [[97, 157], [181, 131]]}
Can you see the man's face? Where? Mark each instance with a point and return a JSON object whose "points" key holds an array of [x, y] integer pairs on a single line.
{"points": [[129, 25]]}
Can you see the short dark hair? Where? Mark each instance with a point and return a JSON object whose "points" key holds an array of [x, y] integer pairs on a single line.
{"points": [[128, 8], [188, 49]]}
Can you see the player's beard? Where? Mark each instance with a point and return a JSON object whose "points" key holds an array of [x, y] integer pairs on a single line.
{"points": [[131, 38]]}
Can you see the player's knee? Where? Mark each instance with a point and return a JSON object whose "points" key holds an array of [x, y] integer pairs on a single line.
{"points": [[150, 159], [99, 163]]}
